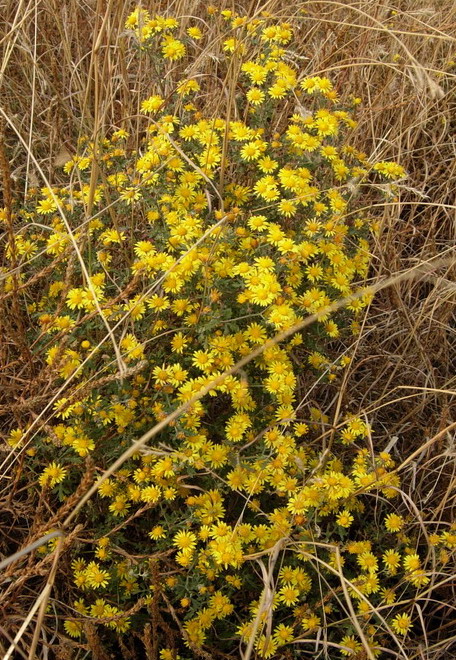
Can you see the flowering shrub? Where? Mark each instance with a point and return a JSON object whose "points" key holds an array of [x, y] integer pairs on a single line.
{"points": [[254, 522]]}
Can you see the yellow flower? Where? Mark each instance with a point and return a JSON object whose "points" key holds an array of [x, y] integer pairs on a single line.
{"points": [[412, 562], [52, 475], [401, 623], [63, 323], [185, 541], [311, 622], [57, 242], [99, 608], [351, 645], [277, 91], [82, 444], [172, 49], [150, 494], [393, 522], [184, 88], [255, 96], [130, 195], [120, 506], [15, 437], [236, 427], [388, 596], [266, 646], [391, 560], [168, 654], [368, 562], [288, 595], [46, 206], [316, 84], [73, 628], [344, 519], [112, 236], [390, 170], [449, 539], [266, 187], [251, 150], [106, 489], [103, 541], [283, 634], [418, 578], [203, 359], [132, 349], [96, 577], [255, 333], [195, 33], [231, 45], [217, 455], [326, 125], [157, 532], [256, 72], [158, 303]]}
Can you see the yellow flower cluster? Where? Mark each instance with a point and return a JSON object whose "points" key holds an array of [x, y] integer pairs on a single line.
{"points": [[221, 233]]}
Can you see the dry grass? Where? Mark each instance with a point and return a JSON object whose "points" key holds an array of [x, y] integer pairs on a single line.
{"points": [[66, 70]]}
